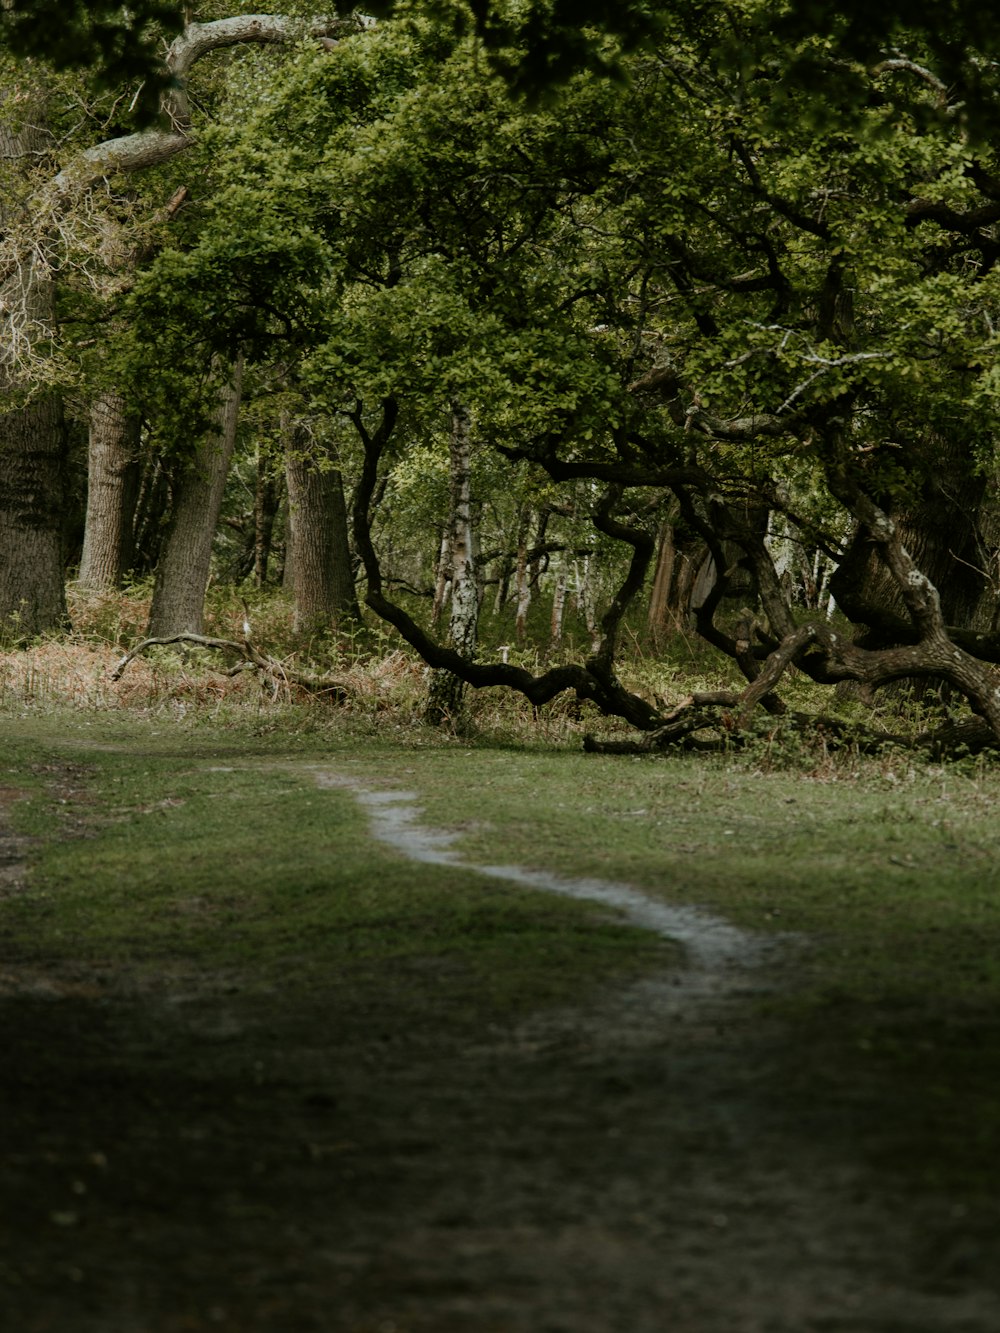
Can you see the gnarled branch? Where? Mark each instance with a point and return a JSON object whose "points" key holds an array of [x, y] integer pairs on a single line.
{"points": [[274, 670]]}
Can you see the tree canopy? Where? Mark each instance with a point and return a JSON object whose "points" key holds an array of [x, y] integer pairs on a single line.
{"points": [[752, 276]]}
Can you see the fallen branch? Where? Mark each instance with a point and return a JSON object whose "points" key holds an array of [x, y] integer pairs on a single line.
{"points": [[250, 658], [692, 717]]}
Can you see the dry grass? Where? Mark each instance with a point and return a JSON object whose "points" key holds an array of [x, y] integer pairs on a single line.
{"points": [[76, 673]]}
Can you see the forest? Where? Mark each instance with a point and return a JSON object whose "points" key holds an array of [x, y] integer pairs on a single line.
{"points": [[524, 340], [499, 644]]}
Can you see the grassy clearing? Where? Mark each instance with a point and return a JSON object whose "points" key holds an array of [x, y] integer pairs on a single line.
{"points": [[169, 846], [199, 839]]}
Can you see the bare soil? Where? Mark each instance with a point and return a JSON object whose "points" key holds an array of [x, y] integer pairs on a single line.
{"points": [[185, 1152]]}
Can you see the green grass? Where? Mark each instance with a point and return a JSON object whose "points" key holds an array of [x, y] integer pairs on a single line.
{"points": [[219, 851], [207, 846]]}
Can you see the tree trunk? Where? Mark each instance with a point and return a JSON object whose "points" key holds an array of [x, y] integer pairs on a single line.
{"points": [[32, 438], [558, 607], [506, 570], [442, 577], [32, 592], [446, 690], [584, 592], [321, 576], [267, 502], [663, 578], [112, 493], [182, 574], [521, 581]]}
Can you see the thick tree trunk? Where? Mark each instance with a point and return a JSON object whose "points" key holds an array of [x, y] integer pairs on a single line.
{"points": [[952, 539], [321, 576], [446, 690], [32, 593], [184, 567], [32, 438], [663, 578], [112, 493]]}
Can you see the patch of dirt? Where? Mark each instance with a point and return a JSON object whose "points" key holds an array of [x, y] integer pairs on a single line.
{"points": [[182, 1154]]}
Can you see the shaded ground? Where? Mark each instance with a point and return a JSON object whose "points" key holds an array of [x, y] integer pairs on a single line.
{"points": [[189, 1152]]}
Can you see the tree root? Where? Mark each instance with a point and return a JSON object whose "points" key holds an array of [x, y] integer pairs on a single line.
{"points": [[251, 659]]}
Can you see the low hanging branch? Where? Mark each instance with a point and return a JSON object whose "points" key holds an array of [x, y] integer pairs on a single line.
{"points": [[48, 228], [251, 658]]}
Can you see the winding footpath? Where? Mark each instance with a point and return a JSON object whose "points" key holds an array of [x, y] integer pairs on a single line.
{"points": [[718, 955]]}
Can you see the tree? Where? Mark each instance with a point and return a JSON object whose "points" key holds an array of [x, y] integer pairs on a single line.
{"points": [[322, 578], [705, 281], [183, 572], [445, 700], [113, 473], [114, 44], [32, 442], [31, 437]]}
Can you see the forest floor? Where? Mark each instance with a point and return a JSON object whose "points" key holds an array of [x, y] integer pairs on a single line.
{"points": [[191, 1147]]}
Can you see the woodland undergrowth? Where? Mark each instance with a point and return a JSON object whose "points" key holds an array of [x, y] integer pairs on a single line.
{"points": [[376, 683]]}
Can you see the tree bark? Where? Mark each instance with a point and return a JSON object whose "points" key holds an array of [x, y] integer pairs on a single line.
{"points": [[321, 576], [953, 534], [112, 493], [267, 502], [32, 594], [663, 578], [559, 593], [184, 567], [446, 689], [522, 583], [32, 438]]}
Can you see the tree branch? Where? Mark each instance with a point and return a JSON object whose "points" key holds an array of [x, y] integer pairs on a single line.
{"points": [[135, 152], [275, 671]]}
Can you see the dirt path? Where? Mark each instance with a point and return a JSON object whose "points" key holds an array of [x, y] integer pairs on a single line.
{"points": [[184, 1155]]}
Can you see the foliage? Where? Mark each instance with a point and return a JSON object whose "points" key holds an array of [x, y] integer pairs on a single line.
{"points": [[711, 279], [115, 44]]}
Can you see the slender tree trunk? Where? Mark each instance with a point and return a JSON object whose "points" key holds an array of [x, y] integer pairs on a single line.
{"points": [[267, 502], [507, 563], [152, 504], [558, 607], [322, 579], [522, 583], [184, 567], [112, 493], [585, 600], [442, 578], [32, 438], [540, 563], [446, 690]]}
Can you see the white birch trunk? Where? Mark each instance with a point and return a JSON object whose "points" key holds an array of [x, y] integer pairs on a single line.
{"points": [[447, 690]]}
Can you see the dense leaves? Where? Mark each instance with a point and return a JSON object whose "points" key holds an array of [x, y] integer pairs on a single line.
{"points": [[756, 274], [115, 44]]}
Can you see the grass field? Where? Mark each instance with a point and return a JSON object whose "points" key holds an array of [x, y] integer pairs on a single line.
{"points": [[246, 1039]]}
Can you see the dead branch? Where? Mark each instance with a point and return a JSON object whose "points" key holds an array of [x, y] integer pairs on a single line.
{"points": [[338, 687]]}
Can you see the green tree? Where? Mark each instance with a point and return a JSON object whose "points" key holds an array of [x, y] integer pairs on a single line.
{"points": [[697, 281]]}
